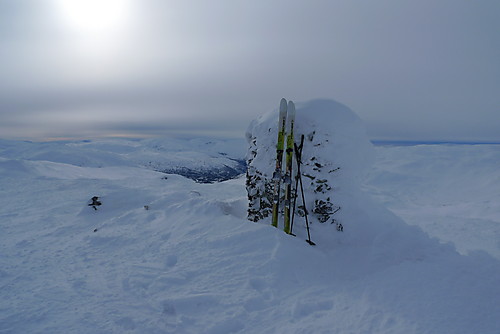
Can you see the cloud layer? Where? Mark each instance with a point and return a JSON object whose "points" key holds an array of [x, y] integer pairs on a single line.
{"points": [[411, 70]]}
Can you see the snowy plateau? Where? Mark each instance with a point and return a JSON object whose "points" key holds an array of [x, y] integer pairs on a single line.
{"points": [[170, 250]]}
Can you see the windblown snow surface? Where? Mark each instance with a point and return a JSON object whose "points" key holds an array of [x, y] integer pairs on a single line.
{"points": [[192, 263]]}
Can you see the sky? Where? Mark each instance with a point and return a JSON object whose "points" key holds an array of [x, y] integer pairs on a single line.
{"points": [[412, 70]]}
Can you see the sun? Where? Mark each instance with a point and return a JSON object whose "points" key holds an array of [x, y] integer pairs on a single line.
{"points": [[94, 16]]}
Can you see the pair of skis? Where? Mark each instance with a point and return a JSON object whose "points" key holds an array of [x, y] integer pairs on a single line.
{"points": [[286, 126], [285, 131]]}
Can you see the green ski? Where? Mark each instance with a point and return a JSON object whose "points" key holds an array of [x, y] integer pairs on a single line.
{"points": [[279, 161], [289, 161]]}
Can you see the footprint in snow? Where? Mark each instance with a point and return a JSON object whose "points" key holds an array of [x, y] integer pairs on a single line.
{"points": [[171, 261]]}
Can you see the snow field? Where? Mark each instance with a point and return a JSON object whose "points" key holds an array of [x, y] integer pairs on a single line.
{"points": [[451, 191], [192, 263]]}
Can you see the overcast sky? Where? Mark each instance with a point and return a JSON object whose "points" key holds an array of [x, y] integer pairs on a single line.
{"points": [[412, 70]]}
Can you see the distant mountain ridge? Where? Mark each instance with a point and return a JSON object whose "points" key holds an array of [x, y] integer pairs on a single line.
{"points": [[204, 160]]}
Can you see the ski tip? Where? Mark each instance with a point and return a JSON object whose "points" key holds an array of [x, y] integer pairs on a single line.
{"points": [[283, 105], [291, 107]]}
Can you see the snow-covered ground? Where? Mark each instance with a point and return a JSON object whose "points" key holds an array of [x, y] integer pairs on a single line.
{"points": [[192, 263], [451, 191]]}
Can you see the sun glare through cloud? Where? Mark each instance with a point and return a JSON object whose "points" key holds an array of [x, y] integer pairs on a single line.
{"points": [[93, 38], [94, 17]]}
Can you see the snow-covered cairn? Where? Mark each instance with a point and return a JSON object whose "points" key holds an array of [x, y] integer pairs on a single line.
{"points": [[334, 153]]}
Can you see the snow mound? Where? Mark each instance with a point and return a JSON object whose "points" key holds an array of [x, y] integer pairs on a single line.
{"points": [[336, 153], [336, 158]]}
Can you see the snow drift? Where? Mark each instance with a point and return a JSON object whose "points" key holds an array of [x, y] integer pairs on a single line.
{"points": [[337, 156]]}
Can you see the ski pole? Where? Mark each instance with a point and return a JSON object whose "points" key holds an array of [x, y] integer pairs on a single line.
{"points": [[305, 210], [299, 161], [298, 157]]}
